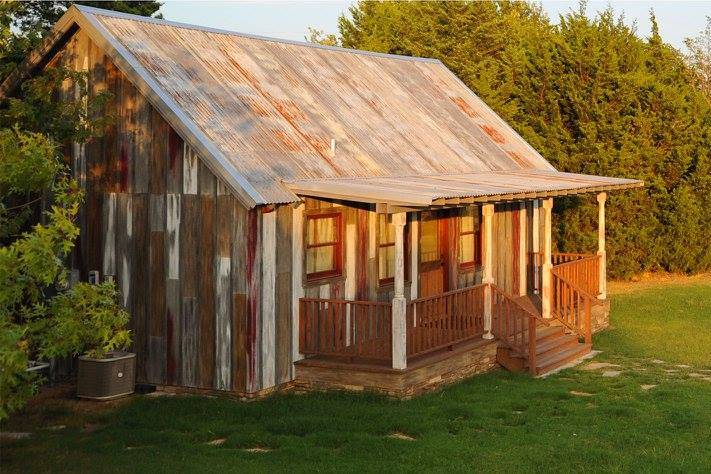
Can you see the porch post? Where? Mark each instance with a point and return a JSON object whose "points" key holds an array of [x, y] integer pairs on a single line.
{"points": [[487, 212], [602, 282], [535, 245], [522, 256], [399, 305], [547, 264]]}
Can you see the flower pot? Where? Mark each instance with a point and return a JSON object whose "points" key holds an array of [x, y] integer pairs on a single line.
{"points": [[104, 379]]}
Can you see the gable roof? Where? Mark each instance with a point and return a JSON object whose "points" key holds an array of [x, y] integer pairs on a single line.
{"points": [[267, 114]]}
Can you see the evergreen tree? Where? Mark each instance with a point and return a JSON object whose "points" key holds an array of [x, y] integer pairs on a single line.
{"points": [[591, 96]]}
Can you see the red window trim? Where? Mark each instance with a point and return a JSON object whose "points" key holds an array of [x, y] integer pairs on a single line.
{"points": [[337, 264], [470, 265]]}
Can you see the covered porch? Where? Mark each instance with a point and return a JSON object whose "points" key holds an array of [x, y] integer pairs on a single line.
{"points": [[535, 315]]}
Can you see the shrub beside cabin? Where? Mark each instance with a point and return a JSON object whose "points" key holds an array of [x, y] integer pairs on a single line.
{"points": [[280, 214]]}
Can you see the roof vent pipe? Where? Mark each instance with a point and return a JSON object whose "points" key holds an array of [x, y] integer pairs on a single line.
{"points": [[333, 146]]}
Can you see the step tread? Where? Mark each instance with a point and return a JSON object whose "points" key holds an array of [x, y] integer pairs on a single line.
{"points": [[558, 358], [555, 342]]}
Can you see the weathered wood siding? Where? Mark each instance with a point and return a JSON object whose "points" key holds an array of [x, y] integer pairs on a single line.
{"points": [[178, 245]]}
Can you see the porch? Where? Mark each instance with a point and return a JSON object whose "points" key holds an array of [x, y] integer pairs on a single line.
{"points": [[455, 334], [527, 308]]}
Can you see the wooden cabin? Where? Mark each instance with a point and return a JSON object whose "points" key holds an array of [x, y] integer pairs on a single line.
{"points": [[280, 214]]}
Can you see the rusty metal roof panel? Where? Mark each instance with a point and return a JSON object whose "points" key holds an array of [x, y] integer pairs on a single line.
{"points": [[271, 108]]}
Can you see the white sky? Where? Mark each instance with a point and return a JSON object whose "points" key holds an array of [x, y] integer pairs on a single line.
{"points": [[291, 19]]}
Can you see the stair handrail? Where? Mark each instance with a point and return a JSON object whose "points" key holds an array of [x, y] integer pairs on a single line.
{"points": [[533, 320], [588, 300]]}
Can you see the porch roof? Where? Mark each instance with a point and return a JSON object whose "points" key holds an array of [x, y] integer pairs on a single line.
{"points": [[460, 188]]}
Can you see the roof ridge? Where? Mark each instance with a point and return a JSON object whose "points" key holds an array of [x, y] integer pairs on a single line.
{"points": [[190, 26]]}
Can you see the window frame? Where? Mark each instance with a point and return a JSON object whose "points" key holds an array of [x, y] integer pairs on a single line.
{"points": [[336, 270], [390, 281], [477, 240]]}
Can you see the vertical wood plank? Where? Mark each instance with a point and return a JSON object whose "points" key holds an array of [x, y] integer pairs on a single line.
{"points": [[190, 170], [268, 309], [282, 297], [140, 294], [173, 331], [188, 267], [297, 288], [206, 290], [223, 336], [109, 212], [223, 289], [254, 380], [239, 298]]}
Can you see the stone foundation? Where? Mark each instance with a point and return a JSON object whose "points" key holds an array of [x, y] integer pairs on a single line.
{"points": [[421, 376]]}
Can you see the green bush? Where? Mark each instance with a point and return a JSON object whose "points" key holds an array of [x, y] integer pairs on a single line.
{"points": [[85, 320]]}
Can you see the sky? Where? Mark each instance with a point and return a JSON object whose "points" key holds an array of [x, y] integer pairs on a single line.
{"points": [[291, 19]]}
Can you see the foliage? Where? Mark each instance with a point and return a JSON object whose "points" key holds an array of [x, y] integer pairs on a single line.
{"points": [[34, 242], [699, 57], [16, 384], [28, 267], [38, 108], [590, 96], [23, 24], [86, 319]]}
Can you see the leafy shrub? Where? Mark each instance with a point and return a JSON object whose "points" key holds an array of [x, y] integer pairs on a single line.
{"points": [[86, 319]]}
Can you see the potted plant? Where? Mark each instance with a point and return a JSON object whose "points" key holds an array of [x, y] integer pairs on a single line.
{"points": [[87, 321]]}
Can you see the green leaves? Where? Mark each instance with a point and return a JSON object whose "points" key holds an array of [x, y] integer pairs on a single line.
{"points": [[83, 320]]}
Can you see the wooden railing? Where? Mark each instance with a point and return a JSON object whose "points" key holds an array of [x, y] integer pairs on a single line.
{"points": [[571, 306], [353, 329], [577, 266], [582, 272], [440, 321], [560, 258], [514, 325]]}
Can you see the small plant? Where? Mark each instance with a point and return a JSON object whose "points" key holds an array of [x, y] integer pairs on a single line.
{"points": [[85, 320]]}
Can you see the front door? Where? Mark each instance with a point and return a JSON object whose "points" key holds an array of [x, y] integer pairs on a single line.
{"points": [[433, 235]]}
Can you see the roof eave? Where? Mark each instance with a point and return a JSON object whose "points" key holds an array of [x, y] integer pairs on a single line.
{"points": [[83, 18]]}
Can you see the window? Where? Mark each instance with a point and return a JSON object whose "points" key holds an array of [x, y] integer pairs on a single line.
{"points": [[469, 238], [386, 250], [323, 246]]}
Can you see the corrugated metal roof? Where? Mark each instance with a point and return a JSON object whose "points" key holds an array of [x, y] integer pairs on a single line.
{"points": [[263, 112], [451, 189], [272, 107]]}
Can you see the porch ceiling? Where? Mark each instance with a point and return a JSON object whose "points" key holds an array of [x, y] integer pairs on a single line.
{"points": [[458, 189]]}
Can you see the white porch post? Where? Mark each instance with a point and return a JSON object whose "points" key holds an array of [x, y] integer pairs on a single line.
{"points": [[487, 212], [399, 305], [522, 255], [535, 244], [547, 264], [602, 284]]}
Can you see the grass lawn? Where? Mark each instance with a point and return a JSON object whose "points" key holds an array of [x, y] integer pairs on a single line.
{"points": [[661, 337]]}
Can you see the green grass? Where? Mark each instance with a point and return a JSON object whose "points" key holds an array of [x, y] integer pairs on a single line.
{"points": [[496, 422]]}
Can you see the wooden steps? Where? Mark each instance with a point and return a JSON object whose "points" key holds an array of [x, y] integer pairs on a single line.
{"points": [[554, 348]]}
